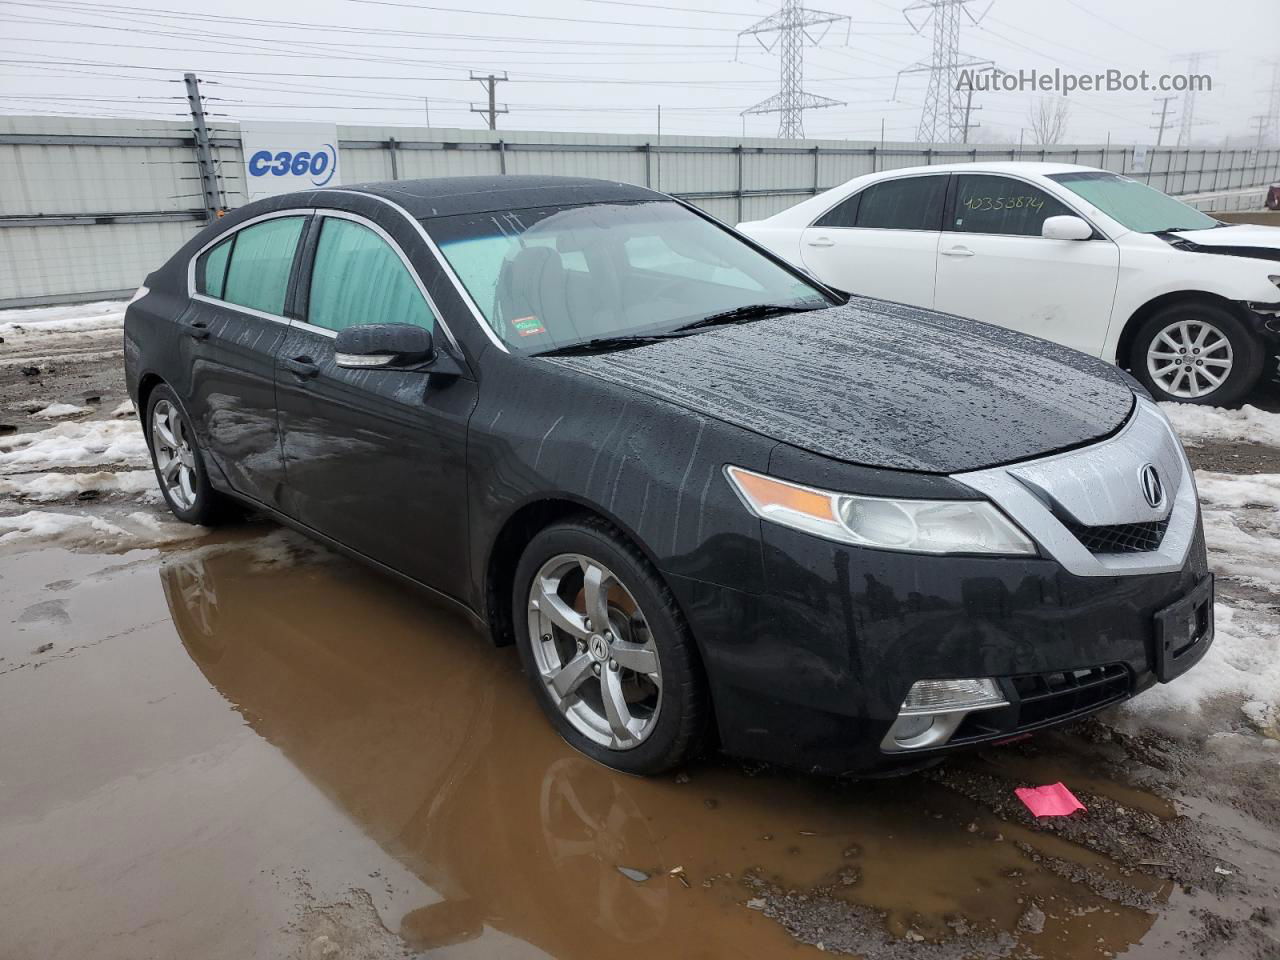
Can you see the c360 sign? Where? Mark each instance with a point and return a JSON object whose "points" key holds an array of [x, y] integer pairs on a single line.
{"points": [[283, 157], [320, 164]]}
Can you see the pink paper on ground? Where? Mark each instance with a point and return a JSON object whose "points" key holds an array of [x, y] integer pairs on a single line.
{"points": [[1055, 800]]}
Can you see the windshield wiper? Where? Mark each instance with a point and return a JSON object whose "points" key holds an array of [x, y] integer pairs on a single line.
{"points": [[603, 344], [752, 311]]}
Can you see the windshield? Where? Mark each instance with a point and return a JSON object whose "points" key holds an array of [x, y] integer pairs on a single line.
{"points": [[552, 277], [1134, 204]]}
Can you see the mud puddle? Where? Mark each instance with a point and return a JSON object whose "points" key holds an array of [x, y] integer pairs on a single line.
{"points": [[247, 747]]}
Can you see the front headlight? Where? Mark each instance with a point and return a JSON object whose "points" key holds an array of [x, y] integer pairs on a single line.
{"points": [[916, 526]]}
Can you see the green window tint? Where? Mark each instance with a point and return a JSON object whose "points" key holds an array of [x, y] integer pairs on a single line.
{"points": [[258, 277], [1136, 205], [358, 278], [211, 269]]}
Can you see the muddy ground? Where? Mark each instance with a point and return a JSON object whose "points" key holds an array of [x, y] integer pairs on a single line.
{"points": [[239, 744]]}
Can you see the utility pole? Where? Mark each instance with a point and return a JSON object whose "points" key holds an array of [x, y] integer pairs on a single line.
{"points": [[1163, 115], [490, 82], [968, 108], [943, 118], [205, 169], [791, 25], [426, 105], [1273, 100]]}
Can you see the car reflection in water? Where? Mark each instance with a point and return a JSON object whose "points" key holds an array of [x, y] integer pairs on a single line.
{"points": [[425, 736]]}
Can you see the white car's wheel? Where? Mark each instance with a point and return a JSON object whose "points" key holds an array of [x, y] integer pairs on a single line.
{"points": [[1196, 353]]}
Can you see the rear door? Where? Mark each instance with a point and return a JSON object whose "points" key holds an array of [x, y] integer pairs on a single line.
{"points": [[375, 459], [231, 334], [882, 241], [994, 266]]}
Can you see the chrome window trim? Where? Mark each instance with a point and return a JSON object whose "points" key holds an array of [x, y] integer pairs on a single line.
{"points": [[440, 259], [191, 264], [1132, 443]]}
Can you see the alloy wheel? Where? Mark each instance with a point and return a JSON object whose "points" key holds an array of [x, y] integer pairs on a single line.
{"points": [[175, 457], [1189, 358], [594, 651]]}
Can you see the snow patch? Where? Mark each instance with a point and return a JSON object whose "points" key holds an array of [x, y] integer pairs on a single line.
{"points": [[88, 443], [1196, 423], [49, 487], [129, 532], [1242, 526], [56, 411], [126, 409], [69, 318]]}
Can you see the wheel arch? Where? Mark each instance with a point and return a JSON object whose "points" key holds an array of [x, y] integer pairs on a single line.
{"points": [[147, 384], [507, 547], [1153, 306]]}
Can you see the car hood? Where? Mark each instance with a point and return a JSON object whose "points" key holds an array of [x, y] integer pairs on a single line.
{"points": [[1243, 239], [882, 385]]}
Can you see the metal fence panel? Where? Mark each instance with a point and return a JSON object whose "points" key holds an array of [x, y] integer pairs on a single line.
{"points": [[89, 206]]}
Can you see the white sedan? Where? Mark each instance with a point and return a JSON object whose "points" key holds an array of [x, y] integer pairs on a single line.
{"points": [[1085, 257]]}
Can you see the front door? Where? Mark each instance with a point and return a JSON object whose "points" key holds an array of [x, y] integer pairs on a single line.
{"points": [[375, 459], [882, 241], [231, 334], [994, 266]]}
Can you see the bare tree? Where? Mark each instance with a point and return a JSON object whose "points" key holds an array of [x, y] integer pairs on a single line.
{"points": [[1048, 120]]}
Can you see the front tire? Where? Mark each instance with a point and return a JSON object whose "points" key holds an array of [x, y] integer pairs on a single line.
{"points": [[1196, 353], [178, 463], [607, 652]]}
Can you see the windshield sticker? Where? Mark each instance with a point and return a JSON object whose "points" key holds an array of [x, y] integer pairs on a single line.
{"points": [[528, 326]]}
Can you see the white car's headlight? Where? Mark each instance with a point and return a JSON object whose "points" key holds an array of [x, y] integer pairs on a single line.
{"points": [[916, 526]]}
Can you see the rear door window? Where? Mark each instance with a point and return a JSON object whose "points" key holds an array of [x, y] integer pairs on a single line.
{"points": [[358, 278], [211, 269], [911, 203], [1002, 205], [261, 261]]}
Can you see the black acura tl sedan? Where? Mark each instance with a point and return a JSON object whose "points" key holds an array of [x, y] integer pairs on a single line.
{"points": [[709, 499]]}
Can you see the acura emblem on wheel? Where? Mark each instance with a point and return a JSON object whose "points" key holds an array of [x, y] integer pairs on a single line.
{"points": [[1152, 488]]}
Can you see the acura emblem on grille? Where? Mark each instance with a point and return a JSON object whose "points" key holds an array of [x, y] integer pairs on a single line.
{"points": [[1152, 488]]}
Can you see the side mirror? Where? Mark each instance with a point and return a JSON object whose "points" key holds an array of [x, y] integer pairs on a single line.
{"points": [[373, 345], [1066, 228]]}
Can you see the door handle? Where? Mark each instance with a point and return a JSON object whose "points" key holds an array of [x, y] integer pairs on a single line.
{"points": [[821, 242], [958, 252], [198, 330], [301, 367]]}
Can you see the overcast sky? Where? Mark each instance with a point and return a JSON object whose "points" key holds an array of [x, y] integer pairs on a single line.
{"points": [[605, 65]]}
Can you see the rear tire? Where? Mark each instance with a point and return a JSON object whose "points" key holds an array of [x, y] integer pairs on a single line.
{"points": [[178, 463], [628, 693], [1180, 350]]}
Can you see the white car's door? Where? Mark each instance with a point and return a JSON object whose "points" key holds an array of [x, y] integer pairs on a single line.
{"points": [[882, 241], [994, 266]]}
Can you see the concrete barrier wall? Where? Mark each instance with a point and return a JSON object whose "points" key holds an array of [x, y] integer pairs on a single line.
{"points": [[89, 206]]}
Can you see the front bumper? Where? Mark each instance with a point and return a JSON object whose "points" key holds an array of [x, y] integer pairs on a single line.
{"points": [[813, 672]]}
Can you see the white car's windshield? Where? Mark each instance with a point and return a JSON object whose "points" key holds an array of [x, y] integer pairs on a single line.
{"points": [[554, 277], [1133, 204]]}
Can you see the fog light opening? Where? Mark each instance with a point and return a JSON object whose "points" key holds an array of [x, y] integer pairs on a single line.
{"points": [[934, 709]]}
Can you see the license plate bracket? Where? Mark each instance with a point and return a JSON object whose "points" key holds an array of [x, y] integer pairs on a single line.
{"points": [[1184, 631]]}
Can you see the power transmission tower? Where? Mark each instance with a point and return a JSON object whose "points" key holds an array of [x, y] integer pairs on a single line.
{"points": [[490, 82], [206, 171], [1189, 97], [791, 26], [1163, 114], [1262, 122], [943, 117], [1273, 99]]}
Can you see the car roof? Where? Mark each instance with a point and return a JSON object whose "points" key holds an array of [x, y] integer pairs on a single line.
{"points": [[449, 196], [1000, 166]]}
